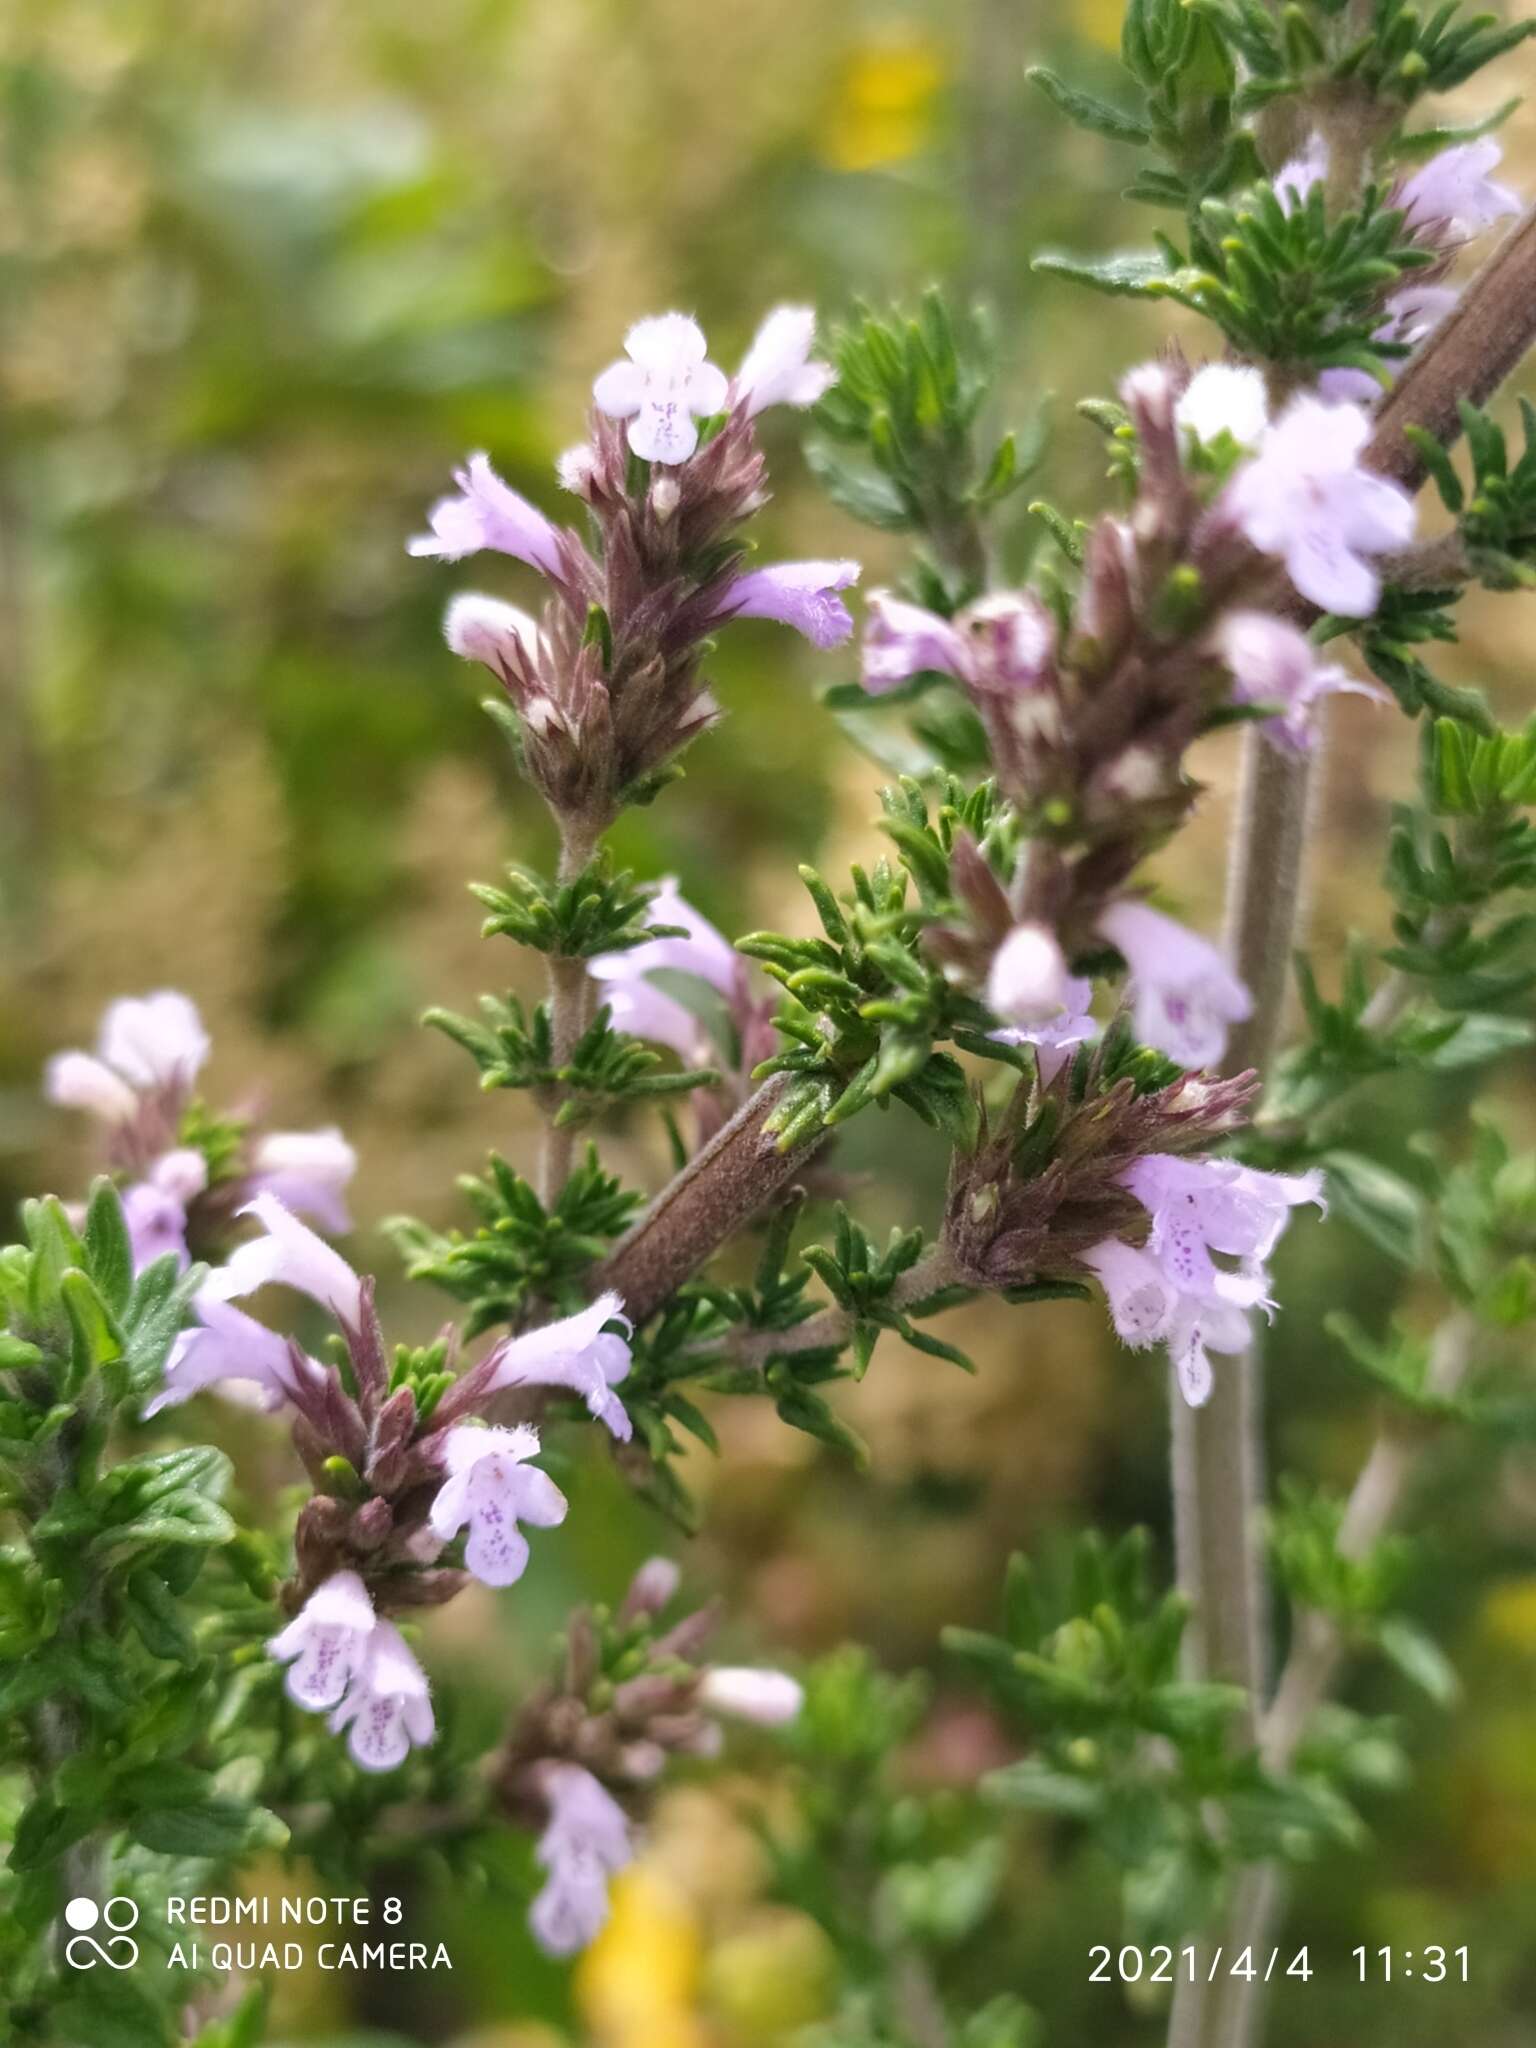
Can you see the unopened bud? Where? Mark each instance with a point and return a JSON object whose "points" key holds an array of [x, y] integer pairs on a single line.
{"points": [[1028, 981]]}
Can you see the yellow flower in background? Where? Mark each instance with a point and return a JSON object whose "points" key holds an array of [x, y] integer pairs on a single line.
{"points": [[1100, 21], [637, 1985], [1509, 1615], [883, 109]]}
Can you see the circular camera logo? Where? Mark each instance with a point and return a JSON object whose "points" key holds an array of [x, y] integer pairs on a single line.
{"points": [[118, 1951]]}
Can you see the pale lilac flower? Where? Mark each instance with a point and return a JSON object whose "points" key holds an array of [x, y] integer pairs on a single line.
{"points": [[1183, 992], [156, 1223], [1295, 179], [769, 1698], [663, 388], [1201, 1206], [578, 1353], [1413, 314], [1055, 1038], [1141, 1299], [308, 1171], [289, 1255], [1028, 981], [1224, 398], [778, 368], [902, 640], [483, 629], [1454, 189], [799, 594], [653, 1587], [1003, 642], [152, 1044], [388, 1704], [641, 1008], [77, 1080], [1272, 662], [1175, 1291], [155, 1208], [1305, 499], [323, 1646], [489, 514], [492, 1487], [228, 1346], [587, 1838]]}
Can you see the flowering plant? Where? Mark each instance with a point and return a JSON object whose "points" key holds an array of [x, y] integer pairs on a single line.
{"points": [[187, 1681]]}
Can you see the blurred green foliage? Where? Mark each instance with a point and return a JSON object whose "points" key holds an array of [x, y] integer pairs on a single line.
{"points": [[266, 273]]}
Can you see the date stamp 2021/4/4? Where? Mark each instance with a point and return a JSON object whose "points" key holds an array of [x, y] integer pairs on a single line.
{"points": [[1162, 1964]]}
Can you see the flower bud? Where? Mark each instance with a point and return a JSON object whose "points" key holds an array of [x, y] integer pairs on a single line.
{"points": [[1028, 981]]}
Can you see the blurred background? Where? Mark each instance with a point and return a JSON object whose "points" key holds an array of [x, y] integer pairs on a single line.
{"points": [[266, 273]]}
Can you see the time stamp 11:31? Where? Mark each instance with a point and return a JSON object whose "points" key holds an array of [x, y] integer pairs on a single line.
{"points": [[1167, 1965]]}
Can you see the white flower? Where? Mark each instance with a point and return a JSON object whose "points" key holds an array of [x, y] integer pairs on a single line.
{"points": [[1184, 993], [323, 1645], [1028, 981], [388, 1705], [576, 1352], [1274, 663], [770, 1698], [778, 369], [1454, 190], [663, 388], [492, 1487], [587, 1838], [1224, 398], [488, 513], [645, 1010], [483, 629]]}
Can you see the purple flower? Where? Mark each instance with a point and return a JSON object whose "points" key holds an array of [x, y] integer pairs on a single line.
{"points": [[1224, 398], [778, 368], [646, 1011], [388, 1704], [1028, 982], [769, 1698], [492, 1487], [323, 1646], [665, 385], [902, 640], [1305, 498], [1055, 1037], [1295, 179], [576, 1352], [147, 1045], [799, 594], [155, 1208], [1183, 992], [1273, 663], [1174, 1292], [1201, 1206], [1453, 190], [228, 1348], [289, 1255], [489, 514], [1002, 643], [587, 1837], [308, 1172], [1412, 315]]}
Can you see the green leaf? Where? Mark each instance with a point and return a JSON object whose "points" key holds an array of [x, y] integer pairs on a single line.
{"points": [[1086, 111], [216, 1828], [1420, 1659], [1132, 274], [1379, 1203], [108, 1254]]}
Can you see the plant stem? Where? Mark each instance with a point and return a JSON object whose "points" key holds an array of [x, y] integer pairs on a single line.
{"points": [[721, 1188], [1217, 1454], [933, 1273], [570, 996]]}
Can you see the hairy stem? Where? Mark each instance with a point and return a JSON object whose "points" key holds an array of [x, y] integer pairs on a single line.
{"points": [[721, 1188], [570, 1000], [1317, 1653], [1217, 1452]]}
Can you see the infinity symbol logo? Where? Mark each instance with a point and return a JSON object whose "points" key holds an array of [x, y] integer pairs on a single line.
{"points": [[84, 1951]]}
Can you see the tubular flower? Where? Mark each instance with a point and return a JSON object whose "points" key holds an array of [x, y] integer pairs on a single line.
{"points": [[491, 1486], [1184, 994], [576, 1352], [587, 1838], [663, 388]]}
